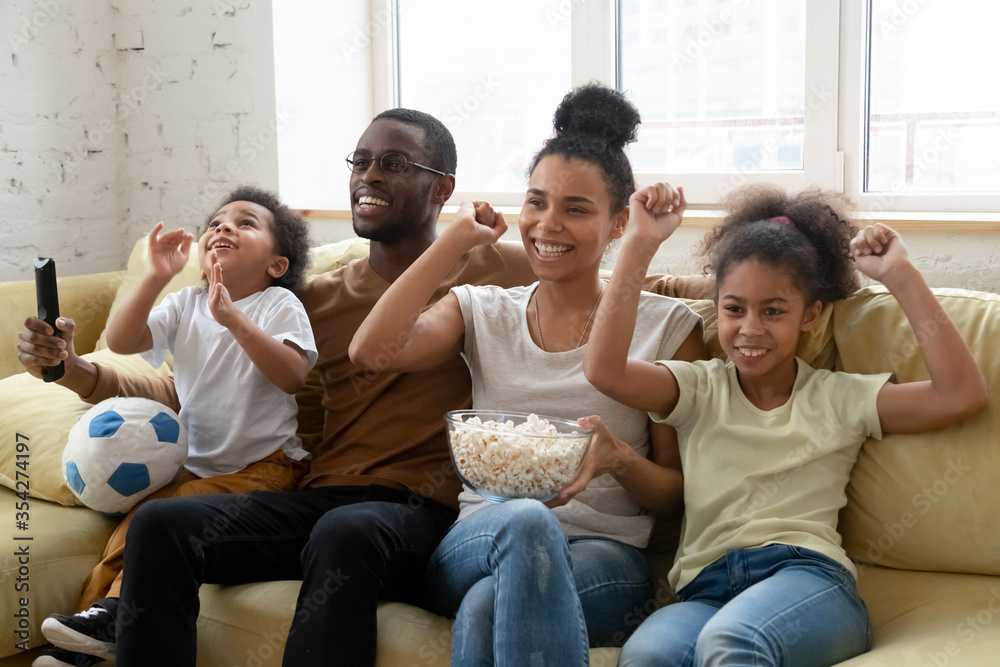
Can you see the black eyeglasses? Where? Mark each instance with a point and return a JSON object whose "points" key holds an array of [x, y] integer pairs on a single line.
{"points": [[391, 163]]}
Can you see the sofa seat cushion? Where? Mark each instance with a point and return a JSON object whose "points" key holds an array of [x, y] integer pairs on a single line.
{"points": [[930, 619], [64, 546], [248, 624]]}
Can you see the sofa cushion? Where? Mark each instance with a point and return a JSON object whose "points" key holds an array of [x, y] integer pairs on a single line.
{"points": [[248, 625], [927, 501], [930, 619], [87, 297], [64, 545], [40, 414]]}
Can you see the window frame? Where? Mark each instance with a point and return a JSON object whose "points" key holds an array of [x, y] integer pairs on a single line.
{"points": [[834, 141], [855, 50], [821, 162]]}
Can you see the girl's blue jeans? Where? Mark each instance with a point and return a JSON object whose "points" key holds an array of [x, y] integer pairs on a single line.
{"points": [[522, 594], [773, 605]]}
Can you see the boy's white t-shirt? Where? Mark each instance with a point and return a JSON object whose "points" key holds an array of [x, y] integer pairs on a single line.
{"points": [[511, 373], [233, 414], [754, 477]]}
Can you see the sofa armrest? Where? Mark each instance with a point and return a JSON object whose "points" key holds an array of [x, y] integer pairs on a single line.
{"points": [[87, 299]]}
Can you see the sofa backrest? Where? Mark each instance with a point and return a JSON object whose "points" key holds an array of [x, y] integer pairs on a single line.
{"points": [[927, 501]]}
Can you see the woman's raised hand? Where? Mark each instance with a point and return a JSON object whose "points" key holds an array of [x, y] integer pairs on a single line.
{"points": [[168, 253], [657, 210], [477, 224]]}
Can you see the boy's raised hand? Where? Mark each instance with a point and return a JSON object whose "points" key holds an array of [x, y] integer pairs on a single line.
{"points": [[657, 210], [220, 304], [168, 253], [878, 250], [478, 224]]}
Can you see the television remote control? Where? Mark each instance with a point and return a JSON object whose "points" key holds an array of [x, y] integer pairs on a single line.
{"points": [[48, 307]]}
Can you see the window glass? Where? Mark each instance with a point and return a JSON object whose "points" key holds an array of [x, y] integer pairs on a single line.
{"points": [[933, 97], [493, 72], [720, 84]]}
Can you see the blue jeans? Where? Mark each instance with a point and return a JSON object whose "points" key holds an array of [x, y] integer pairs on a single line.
{"points": [[522, 594], [349, 545], [773, 605]]}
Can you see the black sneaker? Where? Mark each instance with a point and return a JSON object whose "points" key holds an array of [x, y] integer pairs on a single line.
{"points": [[91, 632], [57, 657]]}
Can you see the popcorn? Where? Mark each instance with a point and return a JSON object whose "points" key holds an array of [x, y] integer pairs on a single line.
{"points": [[511, 461]]}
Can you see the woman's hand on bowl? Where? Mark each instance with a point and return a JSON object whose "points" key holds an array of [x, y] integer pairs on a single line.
{"points": [[605, 455]]}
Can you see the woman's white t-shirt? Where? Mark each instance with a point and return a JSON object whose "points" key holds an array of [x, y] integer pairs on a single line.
{"points": [[510, 372]]}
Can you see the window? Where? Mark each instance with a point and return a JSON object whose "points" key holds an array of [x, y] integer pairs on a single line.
{"points": [[725, 92], [894, 102], [714, 98], [493, 72], [933, 119]]}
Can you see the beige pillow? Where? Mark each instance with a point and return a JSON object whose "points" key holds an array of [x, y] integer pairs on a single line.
{"points": [[927, 501], [40, 415]]}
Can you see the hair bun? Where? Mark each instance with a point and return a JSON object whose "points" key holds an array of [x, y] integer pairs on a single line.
{"points": [[597, 111]]}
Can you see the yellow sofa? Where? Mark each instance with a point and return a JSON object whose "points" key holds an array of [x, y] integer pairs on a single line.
{"points": [[921, 518]]}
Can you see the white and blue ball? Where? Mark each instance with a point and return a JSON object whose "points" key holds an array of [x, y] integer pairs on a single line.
{"points": [[122, 450]]}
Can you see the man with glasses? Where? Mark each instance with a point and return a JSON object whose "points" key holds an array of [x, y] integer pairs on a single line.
{"points": [[380, 492]]}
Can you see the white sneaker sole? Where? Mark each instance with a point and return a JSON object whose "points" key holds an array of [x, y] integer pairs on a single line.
{"points": [[71, 640]]}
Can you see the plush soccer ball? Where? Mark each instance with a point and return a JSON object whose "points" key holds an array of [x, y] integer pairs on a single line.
{"points": [[121, 451]]}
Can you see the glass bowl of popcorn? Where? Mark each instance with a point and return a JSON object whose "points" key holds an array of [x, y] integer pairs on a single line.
{"points": [[506, 455]]}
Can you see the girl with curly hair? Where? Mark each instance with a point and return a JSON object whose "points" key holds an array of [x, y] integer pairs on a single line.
{"points": [[767, 442]]}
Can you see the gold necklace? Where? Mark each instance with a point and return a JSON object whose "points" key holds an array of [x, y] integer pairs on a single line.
{"points": [[538, 324]]}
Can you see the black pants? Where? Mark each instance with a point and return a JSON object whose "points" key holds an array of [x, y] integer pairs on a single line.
{"points": [[349, 545]]}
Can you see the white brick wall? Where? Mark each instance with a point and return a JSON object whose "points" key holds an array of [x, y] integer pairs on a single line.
{"points": [[114, 115]]}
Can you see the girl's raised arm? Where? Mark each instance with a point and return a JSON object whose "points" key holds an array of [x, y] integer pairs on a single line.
{"points": [[957, 388], [654, 213], [396, 336]]}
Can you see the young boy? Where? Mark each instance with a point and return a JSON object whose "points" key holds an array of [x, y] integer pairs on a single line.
{"points": [[242, 348]]}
